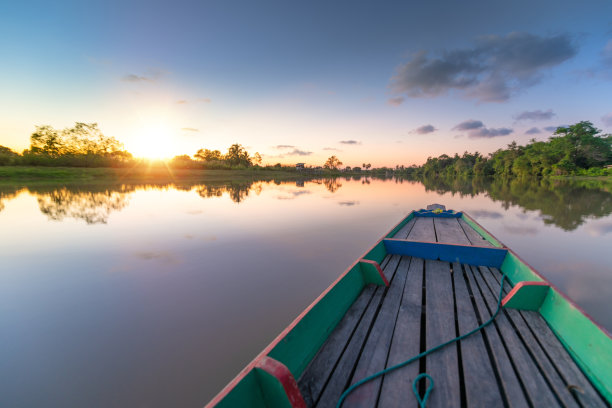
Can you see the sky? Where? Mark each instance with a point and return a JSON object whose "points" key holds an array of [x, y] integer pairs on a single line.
{"points": [[387, 82]]}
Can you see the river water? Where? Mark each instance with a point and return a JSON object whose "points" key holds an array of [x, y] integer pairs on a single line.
{"points": [[157, 295]]}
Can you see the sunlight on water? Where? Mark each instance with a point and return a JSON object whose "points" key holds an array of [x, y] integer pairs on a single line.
{"points": [[127, 295]]}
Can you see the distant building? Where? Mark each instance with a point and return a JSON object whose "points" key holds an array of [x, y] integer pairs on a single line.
{"points": [[299, 166]]}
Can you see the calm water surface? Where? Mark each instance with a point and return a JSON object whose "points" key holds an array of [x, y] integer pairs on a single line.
{"points": [[158, 295]]}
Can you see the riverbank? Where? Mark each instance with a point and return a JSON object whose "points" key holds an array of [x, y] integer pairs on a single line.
{"points": [[142, 174]]}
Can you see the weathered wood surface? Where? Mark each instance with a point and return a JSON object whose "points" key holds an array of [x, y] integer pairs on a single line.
{"points": [[517, 361], [449, 231], [477, 367], [474, 237], [396, 390], [405, 230], [423, 230]]}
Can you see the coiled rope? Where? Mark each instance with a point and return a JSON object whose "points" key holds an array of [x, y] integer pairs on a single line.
{"points": [[423, 402]]}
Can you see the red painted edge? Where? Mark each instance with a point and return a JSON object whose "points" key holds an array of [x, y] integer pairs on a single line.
{"points": [[378, 268], [228, 388], [518, 287], [284, 376]]}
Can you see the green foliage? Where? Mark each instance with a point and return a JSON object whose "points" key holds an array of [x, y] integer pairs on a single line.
{"points": [[572, 150], [332, 163], [7, 156]]}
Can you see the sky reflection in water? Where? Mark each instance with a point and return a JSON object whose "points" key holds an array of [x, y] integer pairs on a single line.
{"points": [[158, 295]]}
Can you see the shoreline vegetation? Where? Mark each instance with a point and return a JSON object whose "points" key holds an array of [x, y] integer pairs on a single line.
{"points": [[83, 152]]}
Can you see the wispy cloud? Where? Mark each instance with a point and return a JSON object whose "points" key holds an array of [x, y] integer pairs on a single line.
{"points": [[348, 203], [188, 129], [181, 102], [350, 142], [553, 128], [332, 149], [197, 100], [298, 152], [477, 130], [607, 119], [533, 131], [534, 115], [486, 214], [284, 147], [493, 70], [152, 76], [395, 101], [425, 129]]}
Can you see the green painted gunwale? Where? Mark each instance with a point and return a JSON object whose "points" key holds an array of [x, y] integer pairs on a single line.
{"points": [[589, 344]]}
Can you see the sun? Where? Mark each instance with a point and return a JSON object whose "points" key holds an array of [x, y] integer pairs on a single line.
{"points": [[154, 141]]}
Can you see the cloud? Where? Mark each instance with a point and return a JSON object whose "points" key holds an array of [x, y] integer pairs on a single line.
{"points": [[599, 230], [486, 214], [188, 129], [395, 101], [493, 70], [533, 131], [350, 142], [553, 128], [487, 133], [477, 130], [423, 130], [469, 125], [535, 115], [204, 100], [298, 152], [332, 149], [348, 203], [181, 102], [152, 76], [607, 119], [135, 78], [185, 101], [520, 230], [284, 147]]}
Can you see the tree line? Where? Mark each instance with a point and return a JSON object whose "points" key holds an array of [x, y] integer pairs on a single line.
{"points": [[579, 149]]}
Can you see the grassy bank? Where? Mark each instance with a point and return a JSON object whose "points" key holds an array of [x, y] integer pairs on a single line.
{"points": [[144, 174]]}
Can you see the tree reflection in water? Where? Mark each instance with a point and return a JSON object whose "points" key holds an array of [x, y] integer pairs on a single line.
{"points": [[564, 203], [561, 202]]}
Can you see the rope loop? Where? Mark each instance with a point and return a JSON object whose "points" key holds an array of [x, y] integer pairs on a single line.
{"points": [[422, 402]]}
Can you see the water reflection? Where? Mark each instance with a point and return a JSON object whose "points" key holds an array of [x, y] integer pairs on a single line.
{"points": [[563, 203], [566, 204]]}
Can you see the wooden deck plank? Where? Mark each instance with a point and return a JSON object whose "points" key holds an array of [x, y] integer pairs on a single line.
{"points": [[405, 230], [391, 266], [574, 378], [440, 327], [474, 237], [423, 230], [449, 231], [396, 388], [546, 368], [478, 372], [534, 383], [510, 383], [340, 378], [376, 350], [317, 373]]}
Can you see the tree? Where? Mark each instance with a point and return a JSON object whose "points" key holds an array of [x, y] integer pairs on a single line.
{"points": [[332, 163], [208, 155], [257, 159], [237, 155]]}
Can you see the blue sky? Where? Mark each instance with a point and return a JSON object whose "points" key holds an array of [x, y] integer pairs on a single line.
{"points": [[381, 82]]}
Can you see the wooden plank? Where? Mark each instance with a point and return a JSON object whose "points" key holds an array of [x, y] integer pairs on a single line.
{"points": [[574, 378], [440, 327], [339, 380], [474, 237], [315, 376], [449, 231], [423, 230], [510, 383], [472, 255], [374, 356], [391, 267], [396, 389], [481, 389], [538, 355], [534, 383], [405, 230]]}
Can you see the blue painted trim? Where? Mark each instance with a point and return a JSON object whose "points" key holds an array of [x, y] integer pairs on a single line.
{"points": [[443, 214], [472, 255]]}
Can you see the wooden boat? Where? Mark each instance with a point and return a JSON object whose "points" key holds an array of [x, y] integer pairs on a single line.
{"points": [[435, 276]]}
